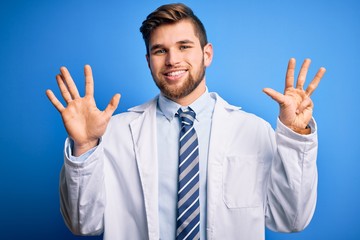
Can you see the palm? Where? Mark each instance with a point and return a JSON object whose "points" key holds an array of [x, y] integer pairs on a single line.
{"points": [[290, 114], [295, 104], [83, 121]]}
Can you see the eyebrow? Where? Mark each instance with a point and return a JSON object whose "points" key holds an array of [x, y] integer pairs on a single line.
{"points": [[186, 41]]}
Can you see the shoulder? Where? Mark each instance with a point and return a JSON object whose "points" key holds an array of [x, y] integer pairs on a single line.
{"points": [[236, 114], [135, 112]]}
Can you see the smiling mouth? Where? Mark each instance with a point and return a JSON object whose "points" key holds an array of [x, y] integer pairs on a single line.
{"points": [[175, 73]]}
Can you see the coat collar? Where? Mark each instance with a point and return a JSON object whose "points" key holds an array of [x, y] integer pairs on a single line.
{"points": [[146, 106], [152, 103]]}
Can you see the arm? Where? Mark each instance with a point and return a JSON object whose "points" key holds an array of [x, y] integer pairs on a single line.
{"points": [[292, 185], [82, 192]]}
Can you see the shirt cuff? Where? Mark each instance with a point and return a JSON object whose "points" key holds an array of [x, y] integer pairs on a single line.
{"points": [[82, 158]]}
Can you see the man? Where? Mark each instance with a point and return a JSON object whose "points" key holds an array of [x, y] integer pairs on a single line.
{"points": [[226, 175]]}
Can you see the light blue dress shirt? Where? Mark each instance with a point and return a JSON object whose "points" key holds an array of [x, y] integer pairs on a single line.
{"points": [[168, 128]]}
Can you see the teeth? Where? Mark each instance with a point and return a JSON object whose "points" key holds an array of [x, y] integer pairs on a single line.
{"points": [[175, 73]]}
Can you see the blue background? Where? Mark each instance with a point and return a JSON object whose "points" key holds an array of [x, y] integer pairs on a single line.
{"points": [[252, 40]]}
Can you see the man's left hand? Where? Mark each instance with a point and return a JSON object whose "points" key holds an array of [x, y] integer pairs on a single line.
{"points": [[296, 106]]}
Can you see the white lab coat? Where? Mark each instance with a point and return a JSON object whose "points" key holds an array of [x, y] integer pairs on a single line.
{"points": [[256, 178]]}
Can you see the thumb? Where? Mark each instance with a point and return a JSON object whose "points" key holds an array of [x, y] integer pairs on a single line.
{"points": [[278, 97], [113, 104]]}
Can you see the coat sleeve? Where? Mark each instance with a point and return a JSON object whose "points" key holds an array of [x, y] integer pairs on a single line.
{"points": [[292, 184], [82, 193]]}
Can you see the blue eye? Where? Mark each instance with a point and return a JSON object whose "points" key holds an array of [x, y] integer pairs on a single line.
{"points": [[184, 47], [160, 51]]}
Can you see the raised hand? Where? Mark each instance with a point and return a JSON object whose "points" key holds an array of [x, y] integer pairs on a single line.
{"points": [[296, 106], [83, 121]]}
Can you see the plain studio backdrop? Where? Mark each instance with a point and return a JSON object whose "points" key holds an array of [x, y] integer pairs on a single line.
{"points": [[253, 41]]}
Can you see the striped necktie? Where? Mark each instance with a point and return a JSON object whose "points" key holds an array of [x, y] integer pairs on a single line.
{"points": [[188, 206]]}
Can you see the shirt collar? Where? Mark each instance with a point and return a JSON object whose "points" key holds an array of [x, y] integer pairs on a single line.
{"points": [[169, 108]]}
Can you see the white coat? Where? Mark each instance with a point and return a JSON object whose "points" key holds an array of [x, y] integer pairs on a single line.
{"points": [[256, 178]]}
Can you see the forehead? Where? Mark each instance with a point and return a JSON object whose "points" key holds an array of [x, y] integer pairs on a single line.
{"points": [[174, 33]]}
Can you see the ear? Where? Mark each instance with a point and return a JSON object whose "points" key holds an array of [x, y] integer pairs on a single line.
{"points": [[208, 54], [148, 59]]}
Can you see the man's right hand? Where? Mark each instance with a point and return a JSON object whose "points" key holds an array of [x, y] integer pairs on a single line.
{"points": [[83, 121]]}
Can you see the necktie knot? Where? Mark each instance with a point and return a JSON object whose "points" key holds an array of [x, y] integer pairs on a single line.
{"points": [[187, 116]]}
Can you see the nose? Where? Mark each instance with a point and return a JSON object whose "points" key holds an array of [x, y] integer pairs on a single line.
{"points": [[172, 58]]}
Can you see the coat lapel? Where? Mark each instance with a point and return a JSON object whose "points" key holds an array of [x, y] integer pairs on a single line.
{"points": [[220, 132], [143, 130]]}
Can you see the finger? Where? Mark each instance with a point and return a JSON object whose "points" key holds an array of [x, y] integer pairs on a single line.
{"points": [[69, 82], [89, 81], [113, 104], [315, 82], [63, 88], [278, 97], [303, 73], [53, 99], [289, 81], [305, 104]]}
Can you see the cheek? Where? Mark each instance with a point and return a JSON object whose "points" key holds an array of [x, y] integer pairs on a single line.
{"points": [[197, 61], [192, 59], [154, 65], [200, 58]]}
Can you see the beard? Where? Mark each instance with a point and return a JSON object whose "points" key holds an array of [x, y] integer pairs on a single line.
{"points": [[177, 92]]}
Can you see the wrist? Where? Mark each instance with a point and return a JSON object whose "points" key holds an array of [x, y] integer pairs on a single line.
{"points": [[302, 131], [80, 149]]}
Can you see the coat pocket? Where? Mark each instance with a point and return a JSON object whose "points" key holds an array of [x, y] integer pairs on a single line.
{"points": [[243, 178]]}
